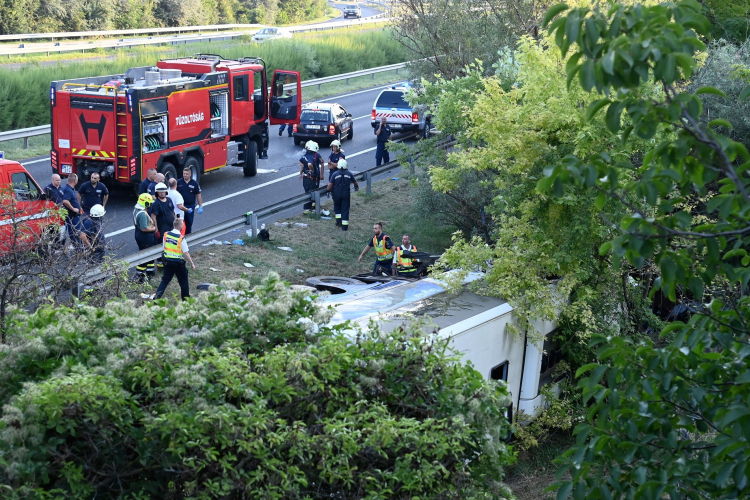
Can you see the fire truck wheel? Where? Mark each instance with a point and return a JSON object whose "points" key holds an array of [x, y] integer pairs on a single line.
{"points": [[250, 167], [169, 171], [194, 164]]}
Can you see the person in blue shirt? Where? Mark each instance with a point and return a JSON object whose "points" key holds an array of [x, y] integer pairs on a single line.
{"points": [[384, 133], [145, 183], [93, 193], [71, 203], [191, 193], [54, 191]]}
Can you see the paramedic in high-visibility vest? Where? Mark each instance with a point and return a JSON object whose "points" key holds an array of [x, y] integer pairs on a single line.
{"points": [[175, 254], [383, 250], [402, 265]]}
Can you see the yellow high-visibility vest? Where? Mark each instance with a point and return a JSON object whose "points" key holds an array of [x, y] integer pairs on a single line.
{"points": [[403, 262], [173, 246]]}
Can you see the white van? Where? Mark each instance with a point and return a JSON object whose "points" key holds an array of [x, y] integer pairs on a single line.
{"points": [[477, 327]]}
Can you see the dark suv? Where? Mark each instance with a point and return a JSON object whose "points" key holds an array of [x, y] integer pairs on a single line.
{"points": [[352, 11], [323, 121]]}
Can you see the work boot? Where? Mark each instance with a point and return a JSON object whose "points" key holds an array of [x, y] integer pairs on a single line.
{"points": [[338, 222], [280, 132]]}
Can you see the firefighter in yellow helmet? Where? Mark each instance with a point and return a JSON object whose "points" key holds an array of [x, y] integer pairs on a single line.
{"points": [[144, 234]]}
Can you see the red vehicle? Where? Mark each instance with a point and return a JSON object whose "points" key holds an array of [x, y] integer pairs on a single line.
{"points": [[25, 214], [203, 112]]}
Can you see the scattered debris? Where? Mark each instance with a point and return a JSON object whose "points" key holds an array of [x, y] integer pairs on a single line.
{"points": [[238, 242], [147, 296], [325, 212], [300, 224], [249, 233], [394, 178], [247, 264], [208, 286], [326, 218], [227, 242], [212, 242], [214, 269], [211, 254], [300, 271], [286, 249], [281, 223]]}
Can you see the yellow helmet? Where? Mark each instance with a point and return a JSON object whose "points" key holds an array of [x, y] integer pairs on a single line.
{"points": [[146, 200]]}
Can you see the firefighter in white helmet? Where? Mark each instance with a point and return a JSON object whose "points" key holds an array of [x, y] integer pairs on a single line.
{"points": [[340, 184], [92, 234], [333, 160], [310, 171]]}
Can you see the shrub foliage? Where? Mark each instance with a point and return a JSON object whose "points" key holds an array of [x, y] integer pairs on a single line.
{"points": [[240, 397]]}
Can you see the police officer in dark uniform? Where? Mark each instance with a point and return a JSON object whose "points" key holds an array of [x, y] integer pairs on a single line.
{"points": [[191, 192], [340, 183], [384, 134], [145, 183], [144, 233], [311, 171], [93, 193], [54, 192]]}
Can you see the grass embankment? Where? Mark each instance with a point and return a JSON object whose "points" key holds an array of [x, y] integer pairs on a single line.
{"points": [[321, 248], [40, 145], [534, 470], [24, 93]]}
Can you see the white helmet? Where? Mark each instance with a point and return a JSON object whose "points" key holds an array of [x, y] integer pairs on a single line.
{"points": [[336, 143], [342, 164], [312, 146], [97, 211], [161, 187]]}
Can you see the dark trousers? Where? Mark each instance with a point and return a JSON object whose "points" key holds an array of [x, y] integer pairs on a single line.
{"points": [[309, 184], [384, 264], [189, 218], [174, 268], [381, 155], [341, 202], [144, 241], [289, 127]]}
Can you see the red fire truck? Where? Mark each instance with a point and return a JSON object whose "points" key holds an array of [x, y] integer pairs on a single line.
{"points": [[203, 112]]}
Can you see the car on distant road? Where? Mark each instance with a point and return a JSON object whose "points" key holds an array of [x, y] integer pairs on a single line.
{"points": [[267, 34], [323, 122], [352, 11]]}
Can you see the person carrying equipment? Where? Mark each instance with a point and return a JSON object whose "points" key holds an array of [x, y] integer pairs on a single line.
{"points": [[339, 184], [401, 265], [144, 234], [311, 171]]}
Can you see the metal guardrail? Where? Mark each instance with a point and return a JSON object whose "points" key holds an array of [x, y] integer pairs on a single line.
{"points": [[251, 218], [25, 133], [139, 31], [41, 48]]}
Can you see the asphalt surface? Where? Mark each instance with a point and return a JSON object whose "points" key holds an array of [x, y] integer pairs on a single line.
{"points": [[366, 12], [227, 193]]}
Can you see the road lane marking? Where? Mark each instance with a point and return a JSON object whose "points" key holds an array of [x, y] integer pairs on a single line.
{"points": [[35, 161], [232, 195]]}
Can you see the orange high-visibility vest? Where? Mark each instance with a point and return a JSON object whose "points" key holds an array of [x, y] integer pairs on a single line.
{"points": [[403, 262]]}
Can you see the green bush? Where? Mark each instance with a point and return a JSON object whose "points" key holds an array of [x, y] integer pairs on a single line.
{"points": [[244, 397], [24, 93]]}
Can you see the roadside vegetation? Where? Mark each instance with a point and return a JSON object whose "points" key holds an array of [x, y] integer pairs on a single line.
{"points": [[24, 99], [41, 16]]}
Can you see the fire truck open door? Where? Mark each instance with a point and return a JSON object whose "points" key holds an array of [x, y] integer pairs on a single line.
{"points": [[286, 97]]}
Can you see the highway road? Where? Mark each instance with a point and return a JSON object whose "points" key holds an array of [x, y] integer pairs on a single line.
{"points": [[227, 193]]}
